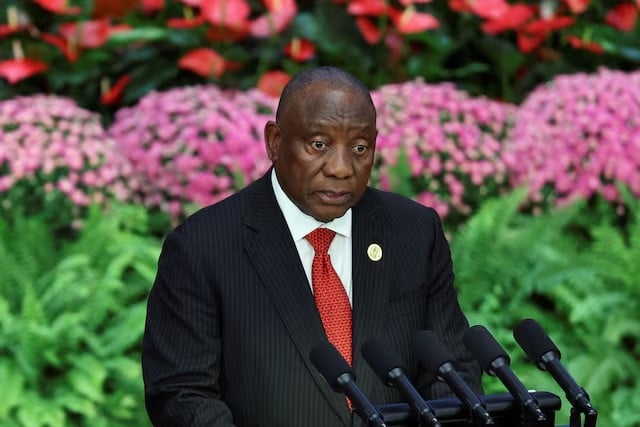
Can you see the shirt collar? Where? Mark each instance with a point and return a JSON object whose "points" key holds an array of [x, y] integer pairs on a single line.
{"points": [[301, 224]]}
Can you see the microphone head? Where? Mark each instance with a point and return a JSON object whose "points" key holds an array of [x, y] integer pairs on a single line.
{"points": [[484, 347], [534, 341], [330, 363], [381, 359], [430, 351]]}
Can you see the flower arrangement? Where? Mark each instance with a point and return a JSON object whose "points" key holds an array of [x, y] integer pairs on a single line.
{"points": [[192, 146], [578, 136], [448, 143], [117, 51], [55, 156]]}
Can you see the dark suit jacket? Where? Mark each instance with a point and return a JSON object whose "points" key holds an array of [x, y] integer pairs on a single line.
{"points": [[231, 318]]}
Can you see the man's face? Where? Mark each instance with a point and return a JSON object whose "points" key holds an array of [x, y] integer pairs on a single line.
{"points": [[323, 149]]}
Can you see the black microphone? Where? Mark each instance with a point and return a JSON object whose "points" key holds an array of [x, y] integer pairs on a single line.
{"points": [[434, 357], [544, 353], [495, 361], [339, 375], [389, 368]]}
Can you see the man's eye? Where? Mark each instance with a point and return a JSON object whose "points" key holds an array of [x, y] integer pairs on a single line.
{"points": [[319, 145], [360, 149]]}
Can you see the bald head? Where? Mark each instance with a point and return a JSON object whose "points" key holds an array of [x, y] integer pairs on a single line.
{"points": [[332, 77]]}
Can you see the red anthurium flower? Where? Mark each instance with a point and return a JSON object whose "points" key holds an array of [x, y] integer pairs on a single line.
{"points": [[151, 6], [68, 49], [61, 7], [272, 82], [272, 23], [546, 26], [219, 33], [411, 22], [410, 2], [273, 5], [280, 15], [15, 70], [488, 9], [6, 30], [368, 7], [233, 65], [86, 34], [185, 23], [112, 9], [578, 43], [577, 6], [623, 16], [113, 95], [204, 62], [370, 32], [459, 6], [395, 43], [529, 42], [533, 34], [230, 13], [515, 17], [193, 3], [300, 50]]}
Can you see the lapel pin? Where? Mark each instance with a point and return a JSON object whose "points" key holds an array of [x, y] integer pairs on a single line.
{"points": [[375, 252]]}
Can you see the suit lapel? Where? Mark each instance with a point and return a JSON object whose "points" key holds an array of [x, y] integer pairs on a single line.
{"points": [[271, 250], [371, 280]]}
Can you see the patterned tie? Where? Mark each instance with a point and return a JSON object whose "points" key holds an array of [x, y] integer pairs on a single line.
{"points": [[329, 293]]}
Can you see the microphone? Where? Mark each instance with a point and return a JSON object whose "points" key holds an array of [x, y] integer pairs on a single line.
{"points": [[434, 357], [495, 362], [387, 366], [341, 378], [544, 353]]}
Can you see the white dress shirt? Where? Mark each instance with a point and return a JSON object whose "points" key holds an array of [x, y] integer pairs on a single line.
{"points": [[301, 224]]}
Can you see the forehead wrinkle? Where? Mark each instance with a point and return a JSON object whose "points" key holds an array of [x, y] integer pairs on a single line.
{"points": [[320, 124]]}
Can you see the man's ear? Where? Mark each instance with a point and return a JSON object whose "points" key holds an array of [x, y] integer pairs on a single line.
{"points": [[272, 140]]}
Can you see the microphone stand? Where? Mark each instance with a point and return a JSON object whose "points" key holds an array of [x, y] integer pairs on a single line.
{"points": [[590, 419], [575, 419]]}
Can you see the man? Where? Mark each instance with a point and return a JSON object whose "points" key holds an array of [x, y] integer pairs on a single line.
{"points": [[232, 316]]}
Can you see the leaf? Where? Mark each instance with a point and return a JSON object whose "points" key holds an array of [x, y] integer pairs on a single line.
{"points": [[400, 175], [13, 383], [37, 411], [125, 330], [76, 403], [139, 34], [87, 377]]}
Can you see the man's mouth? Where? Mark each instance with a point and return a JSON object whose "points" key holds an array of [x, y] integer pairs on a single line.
{"points": [[335, 198]]}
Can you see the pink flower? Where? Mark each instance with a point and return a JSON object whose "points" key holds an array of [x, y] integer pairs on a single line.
{"points": [[193, 145], [577, 135], [451, 140], [49, 142]]}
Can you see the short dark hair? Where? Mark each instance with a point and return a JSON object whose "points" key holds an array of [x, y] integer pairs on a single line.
{"points": [[336, 77]]}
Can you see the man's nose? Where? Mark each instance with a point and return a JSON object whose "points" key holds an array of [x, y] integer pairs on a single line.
{"points": [[339, 163]]}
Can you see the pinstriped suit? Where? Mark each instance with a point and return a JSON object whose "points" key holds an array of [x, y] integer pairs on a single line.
{"points": [[231, 318]]}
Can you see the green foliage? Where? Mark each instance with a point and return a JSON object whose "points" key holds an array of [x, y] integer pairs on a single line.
{"points": [[71, 320], [578, 280]]}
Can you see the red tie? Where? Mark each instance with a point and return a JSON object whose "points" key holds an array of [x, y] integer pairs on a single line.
{"points": [[329, 293]]}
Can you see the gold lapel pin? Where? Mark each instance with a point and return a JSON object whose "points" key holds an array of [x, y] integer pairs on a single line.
{"points": [[375, 252]]}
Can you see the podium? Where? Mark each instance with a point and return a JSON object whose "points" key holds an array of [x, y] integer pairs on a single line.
{"points": [[503, 408]]}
